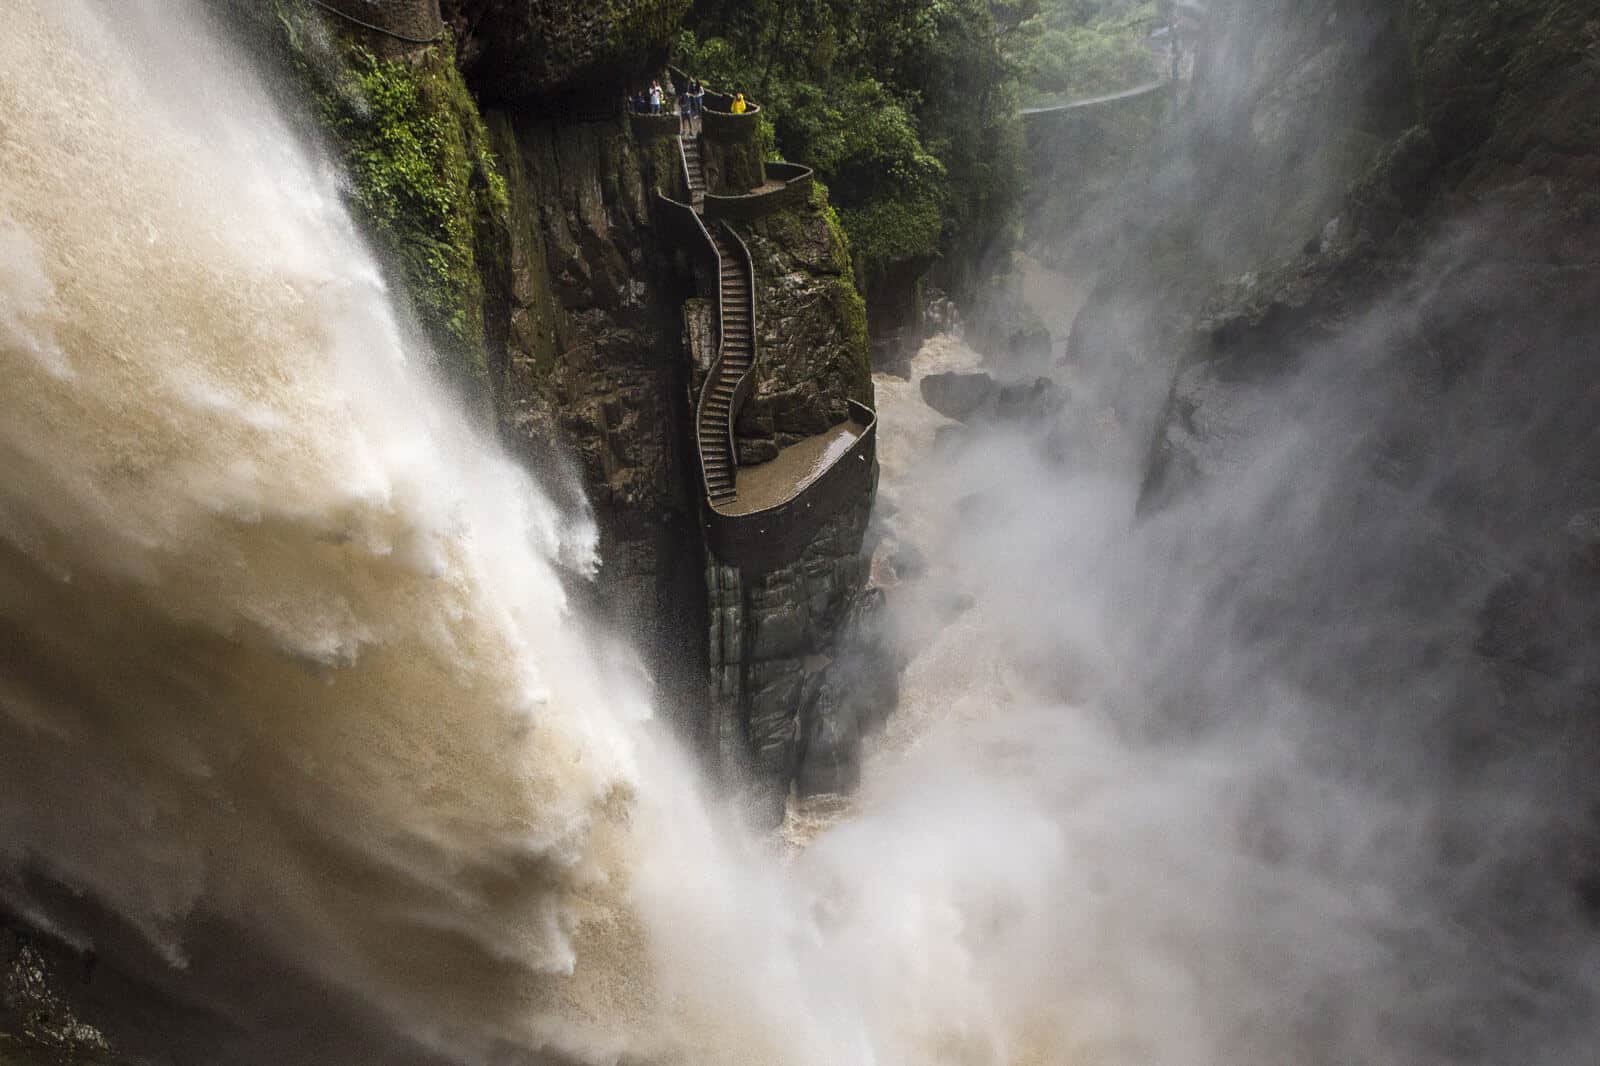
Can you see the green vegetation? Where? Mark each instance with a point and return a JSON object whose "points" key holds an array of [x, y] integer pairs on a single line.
{"points": [[1073, 49], [424, 181], [906, 109]]}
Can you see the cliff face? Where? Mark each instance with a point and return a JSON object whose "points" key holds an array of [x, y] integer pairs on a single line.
{"points": [[1290, 103], [1485, 206], [594, 368], [1427, 362], [783, 643]]}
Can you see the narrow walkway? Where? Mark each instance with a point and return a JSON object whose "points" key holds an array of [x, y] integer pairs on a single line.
{"points": [[738, 346]]}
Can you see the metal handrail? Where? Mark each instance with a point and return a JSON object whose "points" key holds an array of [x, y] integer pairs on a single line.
{"points": [[746, 382]]}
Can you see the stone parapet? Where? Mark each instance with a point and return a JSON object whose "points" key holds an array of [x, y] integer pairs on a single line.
{"points": [[764, 540], [793, 189], [726, 126], [650, 127]]}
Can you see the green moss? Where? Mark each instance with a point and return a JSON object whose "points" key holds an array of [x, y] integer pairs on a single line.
{"points": [[838, 242], [665, 168], [423, 179], [851, 310], [887, 232]]}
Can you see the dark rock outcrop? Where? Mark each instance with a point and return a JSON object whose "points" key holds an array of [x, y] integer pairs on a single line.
{"points": [[778, 644], [957, 395], [565, 54]]}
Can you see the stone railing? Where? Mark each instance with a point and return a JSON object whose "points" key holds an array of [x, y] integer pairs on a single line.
{"points": [[650, 127], [794, 189], [416, 21], [720, 125], [764, 540]]}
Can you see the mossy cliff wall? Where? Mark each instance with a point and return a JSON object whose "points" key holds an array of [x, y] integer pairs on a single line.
{"points": [[595, 370], [423, 181]]}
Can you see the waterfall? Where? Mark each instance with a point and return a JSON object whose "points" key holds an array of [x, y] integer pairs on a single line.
{"points": [[285, 643]]}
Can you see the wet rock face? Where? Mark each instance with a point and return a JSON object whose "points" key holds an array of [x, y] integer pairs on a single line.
{"points": [[967, 397], [861, 688], [595, 378], [794, 664], [587, 54], [38, 1023]]}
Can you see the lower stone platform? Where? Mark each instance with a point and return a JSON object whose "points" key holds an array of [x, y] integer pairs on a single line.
{"points": [[771, 483]]}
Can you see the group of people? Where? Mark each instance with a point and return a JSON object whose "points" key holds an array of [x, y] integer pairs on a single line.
{"points": [[655, 100], [690, 100]]}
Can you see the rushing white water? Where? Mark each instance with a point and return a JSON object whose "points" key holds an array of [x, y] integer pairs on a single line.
{"points": [[287, 666], [286, 641]]}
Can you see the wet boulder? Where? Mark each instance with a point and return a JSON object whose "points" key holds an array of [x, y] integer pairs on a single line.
{"points": [[958, 395]]}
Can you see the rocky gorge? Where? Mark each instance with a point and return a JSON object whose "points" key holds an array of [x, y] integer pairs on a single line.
{"points": [[1320, 438]]}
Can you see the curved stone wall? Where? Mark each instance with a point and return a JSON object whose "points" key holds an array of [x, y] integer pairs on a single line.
{"points": [[794, 189], [726, 126]]}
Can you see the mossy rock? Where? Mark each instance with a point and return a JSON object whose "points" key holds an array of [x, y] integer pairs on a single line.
{"points": [[424, 182]]}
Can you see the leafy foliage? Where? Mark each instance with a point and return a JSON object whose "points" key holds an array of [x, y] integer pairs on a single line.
{"points": [[905, 107], [1076, 48]]}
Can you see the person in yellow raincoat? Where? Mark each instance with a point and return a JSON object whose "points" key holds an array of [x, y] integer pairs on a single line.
{"points": [[738, 104]]}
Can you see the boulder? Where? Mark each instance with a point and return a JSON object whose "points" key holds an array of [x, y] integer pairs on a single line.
{"points": [[958, 395]]}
